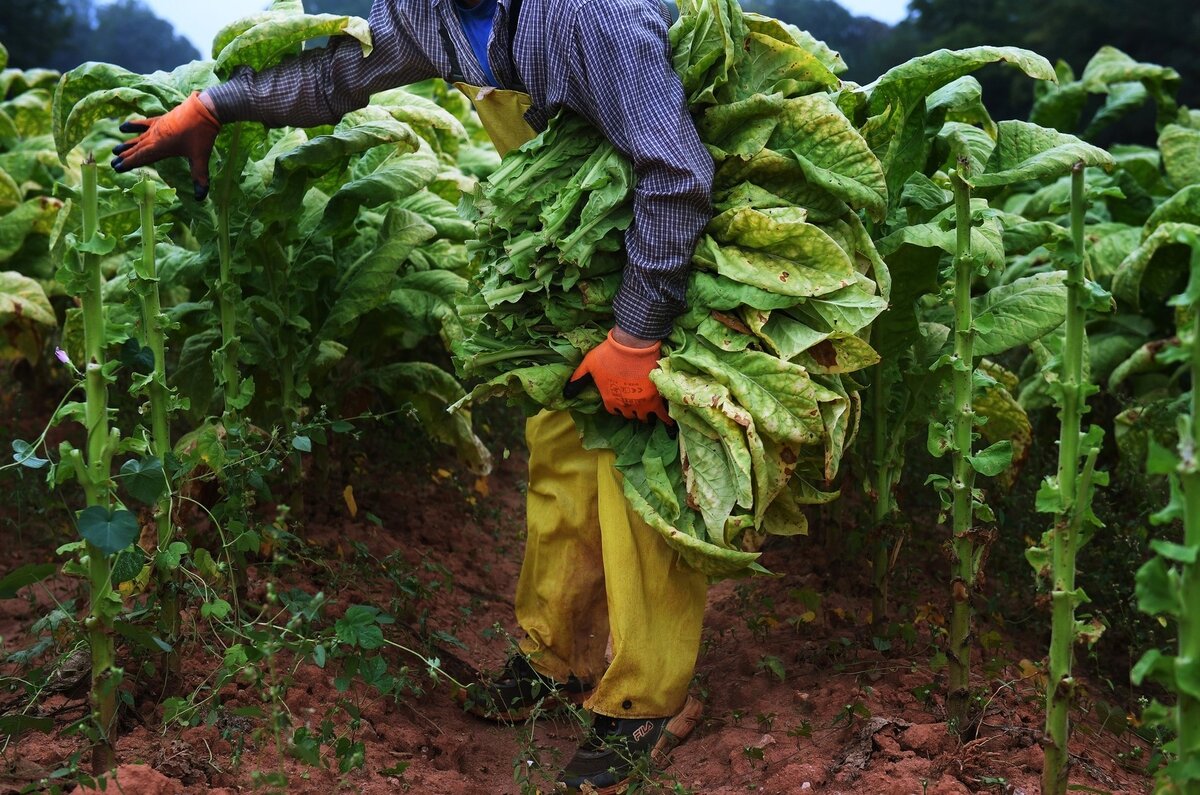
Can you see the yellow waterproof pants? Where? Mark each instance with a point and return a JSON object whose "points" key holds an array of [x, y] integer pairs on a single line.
{"points": [[593, 567]]}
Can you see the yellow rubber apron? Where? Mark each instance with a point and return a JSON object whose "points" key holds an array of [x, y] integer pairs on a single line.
{"points": [[592, 566]]}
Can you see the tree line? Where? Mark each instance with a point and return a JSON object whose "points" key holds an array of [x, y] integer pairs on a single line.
{"points": [[61, 34]]}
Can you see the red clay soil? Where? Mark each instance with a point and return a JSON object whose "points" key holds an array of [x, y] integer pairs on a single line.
{"points": [[799, 696]]}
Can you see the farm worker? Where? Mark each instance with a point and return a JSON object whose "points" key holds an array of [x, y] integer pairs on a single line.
{"points": [[592, 567]]}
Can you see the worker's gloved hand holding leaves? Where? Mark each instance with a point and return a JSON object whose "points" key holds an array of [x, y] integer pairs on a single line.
{"points": [[621, 374], [187, 131]]}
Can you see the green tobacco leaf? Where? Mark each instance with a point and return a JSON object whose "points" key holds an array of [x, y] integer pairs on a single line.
{"points": [[1181, 208], [961, 101], [1123, 98], [705, 45], [367, 284], [831, 152], [1153, 270], [397, 178], [1026, 151], [24, 302], [265, 43], [895, 128], [430, 390], [1111, 66], [993, 460], [28, 574], [123, 92], [1019, 312], [779, 58], [965, 142], [108, 531], [987, 237], [144, 479], [780, 397], [905, 85], [1059, 106], [1180, 148], [775, 250], [1006, 419], [34, 216]]}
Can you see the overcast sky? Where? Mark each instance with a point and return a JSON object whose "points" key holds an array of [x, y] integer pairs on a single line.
{"points": [[200, 20]]}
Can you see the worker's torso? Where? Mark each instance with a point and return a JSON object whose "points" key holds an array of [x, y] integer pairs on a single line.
{"points": [[545, 49]]}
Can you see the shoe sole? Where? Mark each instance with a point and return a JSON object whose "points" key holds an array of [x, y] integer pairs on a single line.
{"points": [[674, 733]]}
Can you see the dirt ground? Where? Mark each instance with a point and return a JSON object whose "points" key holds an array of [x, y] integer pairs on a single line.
{"points": [[801, 694]]}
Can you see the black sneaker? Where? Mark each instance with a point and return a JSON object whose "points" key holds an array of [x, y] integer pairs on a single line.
{"points": [[516, 691], [614, 748]]}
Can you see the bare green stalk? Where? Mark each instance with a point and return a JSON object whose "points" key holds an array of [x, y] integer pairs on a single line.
{"points": [[95, 481], [160, 401], [1074, 504], [884, 477], [1187, 709], [963, 483], [226, 289]]}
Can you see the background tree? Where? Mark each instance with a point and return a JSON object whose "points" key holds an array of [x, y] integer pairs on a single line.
{"points": [[61, 34]]}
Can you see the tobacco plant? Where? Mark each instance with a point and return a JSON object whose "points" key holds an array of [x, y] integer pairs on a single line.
{"points": [[106, 528], [1068, 495], [1169, 583]]}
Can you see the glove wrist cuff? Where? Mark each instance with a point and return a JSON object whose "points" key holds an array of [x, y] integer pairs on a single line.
{"points": [[649, 351], [202, 110]]}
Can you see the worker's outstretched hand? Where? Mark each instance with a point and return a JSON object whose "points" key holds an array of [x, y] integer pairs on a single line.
{"points": [[621, 374], [187, 131]]}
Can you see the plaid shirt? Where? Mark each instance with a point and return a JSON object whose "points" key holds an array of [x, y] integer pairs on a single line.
{"points": [[608, 60]]}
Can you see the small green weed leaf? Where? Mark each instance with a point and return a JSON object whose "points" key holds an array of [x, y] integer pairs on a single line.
{"points": [[141, 636], [217, 608], [25, 575], [396, 771], [25, 454], [128, 564], [108, 531], [144, 479], [773, 665], [305, 747], [14, 725], [170, 558], [351, 755], [359, 627], [992, 460], [302, 443], [178, 709], [137, 357]]}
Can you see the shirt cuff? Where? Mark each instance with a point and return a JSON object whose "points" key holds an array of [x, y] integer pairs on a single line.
{"points": [[642, 316], [231, 98]]}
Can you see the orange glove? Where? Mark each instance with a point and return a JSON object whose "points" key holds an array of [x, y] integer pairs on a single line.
{"points": [[187, 131], [621, 374]]}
